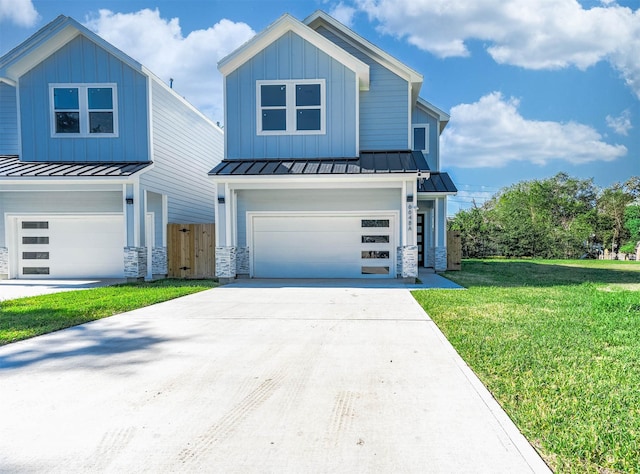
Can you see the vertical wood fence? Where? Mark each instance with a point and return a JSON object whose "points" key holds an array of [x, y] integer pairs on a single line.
{"points": [[191, 250], [454, 250]]}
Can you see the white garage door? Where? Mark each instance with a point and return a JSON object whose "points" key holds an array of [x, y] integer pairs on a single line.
{"points": [[71, 247], [342, 246]]}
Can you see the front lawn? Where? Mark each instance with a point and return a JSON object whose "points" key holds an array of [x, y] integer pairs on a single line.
{"points": [[27, 317], [558, 345]]}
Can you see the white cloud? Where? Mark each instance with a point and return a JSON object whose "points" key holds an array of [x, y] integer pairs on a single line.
{"points": [[343, 13], [534, 34], [491, 132], [20, 12], [190, 60], [621, 124]]}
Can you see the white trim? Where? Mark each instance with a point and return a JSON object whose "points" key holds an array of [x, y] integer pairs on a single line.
{"points": [[83, 109], [275, 31], [19, 117], [136, 214], [228, 216], [9, 82], [150, 135], [327, 181], [149, 241], [426, 136], [291, 107], [393, 215], [165, 218]]}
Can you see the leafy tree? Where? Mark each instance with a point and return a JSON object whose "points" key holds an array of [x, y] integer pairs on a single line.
{"points": [[612, 203]]}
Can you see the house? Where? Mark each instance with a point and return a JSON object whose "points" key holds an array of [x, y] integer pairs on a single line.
{"points": [[97, 155], [332, 166]]}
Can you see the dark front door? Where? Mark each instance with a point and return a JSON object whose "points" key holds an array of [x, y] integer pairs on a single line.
{"points": [[420, 231]]}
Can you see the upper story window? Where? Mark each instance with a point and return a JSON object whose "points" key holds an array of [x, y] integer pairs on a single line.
{"points": [[291, 107], [421, 137], [84, 110]]}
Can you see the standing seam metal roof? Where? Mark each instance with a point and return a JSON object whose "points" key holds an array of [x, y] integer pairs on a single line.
{"points": [[12, 167], [370, 162]]}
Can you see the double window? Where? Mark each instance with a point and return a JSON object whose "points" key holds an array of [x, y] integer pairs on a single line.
{"points": [[84, 110], [291, 107]]}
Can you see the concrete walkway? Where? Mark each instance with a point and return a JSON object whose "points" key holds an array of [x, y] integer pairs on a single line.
{"points": [[234, 379]]}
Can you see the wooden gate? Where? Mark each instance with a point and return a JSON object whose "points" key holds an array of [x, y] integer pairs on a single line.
{"points": [[454, 250], [191, 250]]}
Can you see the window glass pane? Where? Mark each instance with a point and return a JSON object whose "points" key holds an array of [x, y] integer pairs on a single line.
{"points": [[274, 119], [375, 222], [419, 139], [375, 239], [35, 255], [35, 270], [65, 98], [307, 94], [101, 122], [35, 240], [100, 98], [67, 122], [375, 254], [308, 119], [273, 95], [35, 225], [375, 270]]}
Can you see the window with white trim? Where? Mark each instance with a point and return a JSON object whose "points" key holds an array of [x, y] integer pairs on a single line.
{"points": [[84, 110], [291, 107], [421, 137]]}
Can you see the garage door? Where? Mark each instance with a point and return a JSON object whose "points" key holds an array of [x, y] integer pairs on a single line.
{"points": [[71, 247], [342, 246]]}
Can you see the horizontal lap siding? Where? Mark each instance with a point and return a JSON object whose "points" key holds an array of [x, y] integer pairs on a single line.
{"points": [[57, 202], [325, 200], [384, 108], [8, 120], [82, 61], [186, 147], [291, 57]]}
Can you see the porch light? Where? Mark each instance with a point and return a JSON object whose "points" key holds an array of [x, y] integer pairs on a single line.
{"points": [[221, 200], [129, 200]]}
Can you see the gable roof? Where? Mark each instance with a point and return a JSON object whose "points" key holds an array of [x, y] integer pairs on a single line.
{"points": [[276, 30], [320, 18], [47, 41], [428, 107]]}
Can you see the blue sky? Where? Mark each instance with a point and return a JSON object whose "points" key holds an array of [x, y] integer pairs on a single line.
{"points": [[534, 87]]}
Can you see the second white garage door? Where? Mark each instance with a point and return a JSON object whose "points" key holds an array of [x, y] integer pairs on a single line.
{"points": [[71, 247], [321, 246]]}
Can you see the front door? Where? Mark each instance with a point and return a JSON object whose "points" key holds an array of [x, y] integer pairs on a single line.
{"points": [[420, 231]]}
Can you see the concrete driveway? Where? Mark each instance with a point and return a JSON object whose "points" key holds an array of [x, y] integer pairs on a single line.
{"points": [[11, 289], [235, 379]]}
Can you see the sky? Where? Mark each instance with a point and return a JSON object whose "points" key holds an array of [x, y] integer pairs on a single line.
{"points": [[533, 87]]}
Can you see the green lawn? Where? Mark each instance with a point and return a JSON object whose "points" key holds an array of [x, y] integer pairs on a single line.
{"points": [[27, 317], [558, 345]]}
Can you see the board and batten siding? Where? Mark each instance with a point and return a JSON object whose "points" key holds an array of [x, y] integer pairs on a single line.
{"points": [[317, 200], [420, 116], [186, 146], [384, 108], [51, 202], [82, 61], [9, 144], [289, 58]]}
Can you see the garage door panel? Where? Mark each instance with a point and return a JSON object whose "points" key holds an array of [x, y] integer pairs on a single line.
{"points": [[316, 247], [79, 247]]}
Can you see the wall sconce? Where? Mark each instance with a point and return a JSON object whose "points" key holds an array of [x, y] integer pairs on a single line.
{"points": [[129, 200], [410, 198], [221, 200]]}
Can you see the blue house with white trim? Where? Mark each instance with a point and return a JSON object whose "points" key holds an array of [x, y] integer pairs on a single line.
{"points": [[332, 166], [97, 155]]}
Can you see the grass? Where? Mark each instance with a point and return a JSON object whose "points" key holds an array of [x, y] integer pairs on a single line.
{"points": [[28, 317], [558, 345]]}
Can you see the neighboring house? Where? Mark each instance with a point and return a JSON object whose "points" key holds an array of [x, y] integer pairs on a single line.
{"points": [[97, 155], [332, 165]]}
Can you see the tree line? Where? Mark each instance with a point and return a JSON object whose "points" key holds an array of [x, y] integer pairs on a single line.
{"points": [[558, 217]]}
